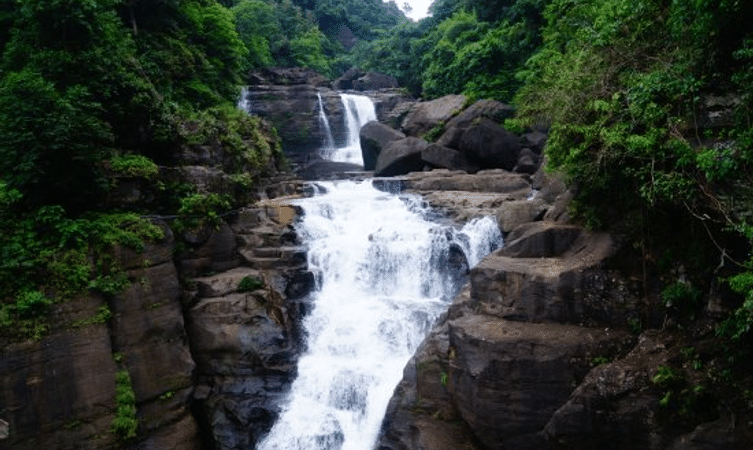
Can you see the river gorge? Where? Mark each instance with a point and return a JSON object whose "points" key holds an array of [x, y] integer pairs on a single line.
{"points": [[361, 310]]}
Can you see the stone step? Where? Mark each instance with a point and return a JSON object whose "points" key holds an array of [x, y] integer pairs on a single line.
{"points": [[286, 253], [266, 263]]}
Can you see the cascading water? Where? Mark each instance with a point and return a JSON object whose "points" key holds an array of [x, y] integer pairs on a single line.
{"points": [[244, 104], [384, 274], [328, 146], [358, 110]]}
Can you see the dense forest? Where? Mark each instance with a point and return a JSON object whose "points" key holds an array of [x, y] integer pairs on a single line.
{"points": [[95, 90]]}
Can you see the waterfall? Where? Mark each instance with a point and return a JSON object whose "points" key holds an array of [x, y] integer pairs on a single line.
{"points": [[328, 146], [244, 104], [384, 274], [358, 111]]}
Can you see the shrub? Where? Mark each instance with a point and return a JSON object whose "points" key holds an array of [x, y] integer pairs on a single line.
{"points": [[249, 284]]}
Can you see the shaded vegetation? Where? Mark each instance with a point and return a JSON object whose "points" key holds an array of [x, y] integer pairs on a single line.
{"points": [[93, 92]]}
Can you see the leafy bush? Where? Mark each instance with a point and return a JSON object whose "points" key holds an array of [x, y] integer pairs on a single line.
{"points": [[198, 210], [125, 425], [250, 284], [130, 165]]}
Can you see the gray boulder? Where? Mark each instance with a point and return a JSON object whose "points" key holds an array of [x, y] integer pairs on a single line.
{"points": [[426, 115], [373, 81], [535, 140], [490, 145], [374, 136], [528, 162], [401, 157], [438, 156], [490, 109]]}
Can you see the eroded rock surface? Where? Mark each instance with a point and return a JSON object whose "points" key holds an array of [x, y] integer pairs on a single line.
{"points": [[540, 350]]}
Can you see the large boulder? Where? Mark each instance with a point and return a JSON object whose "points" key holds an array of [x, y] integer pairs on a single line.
{"points": [[424, 116], [615, 405], [374, 136], [533, 280], [490, 145], [509, 378], [490, 109], [528, 162], [372, 81], [438, 156], [400, 157]]}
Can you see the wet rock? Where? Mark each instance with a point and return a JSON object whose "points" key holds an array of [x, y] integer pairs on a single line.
{"points": [[374, 137], [400, 157], [326, 170], [540, 240]]}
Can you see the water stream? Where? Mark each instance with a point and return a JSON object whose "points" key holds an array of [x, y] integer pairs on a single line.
{"points": [[358, 110], [384, 273]]}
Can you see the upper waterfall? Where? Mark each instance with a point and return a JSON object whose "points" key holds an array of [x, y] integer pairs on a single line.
{"points": [[358, 111]]}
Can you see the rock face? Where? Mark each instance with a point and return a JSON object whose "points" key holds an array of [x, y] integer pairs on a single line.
{"points": [[244, 327], [469, 139], [536, 352], [438, 156], [289, 99], [62, 389], [209, 356]]}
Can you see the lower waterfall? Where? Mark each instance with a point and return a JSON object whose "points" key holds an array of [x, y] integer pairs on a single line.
{"points": [[384, 273]]}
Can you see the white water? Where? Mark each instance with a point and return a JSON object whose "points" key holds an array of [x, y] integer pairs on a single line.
{"points": [[358, 111], [381, 285], [328, 146], [244, 104]]}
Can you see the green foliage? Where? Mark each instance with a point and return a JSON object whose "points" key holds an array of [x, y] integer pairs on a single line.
{"points": [[235, 132], [250, 284], [279, 33], [48, 257], [125, 425], [682, 297], [435, 133], [200, 209], [738, 325], [469, 47], [600, 360], [130, 165]]}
